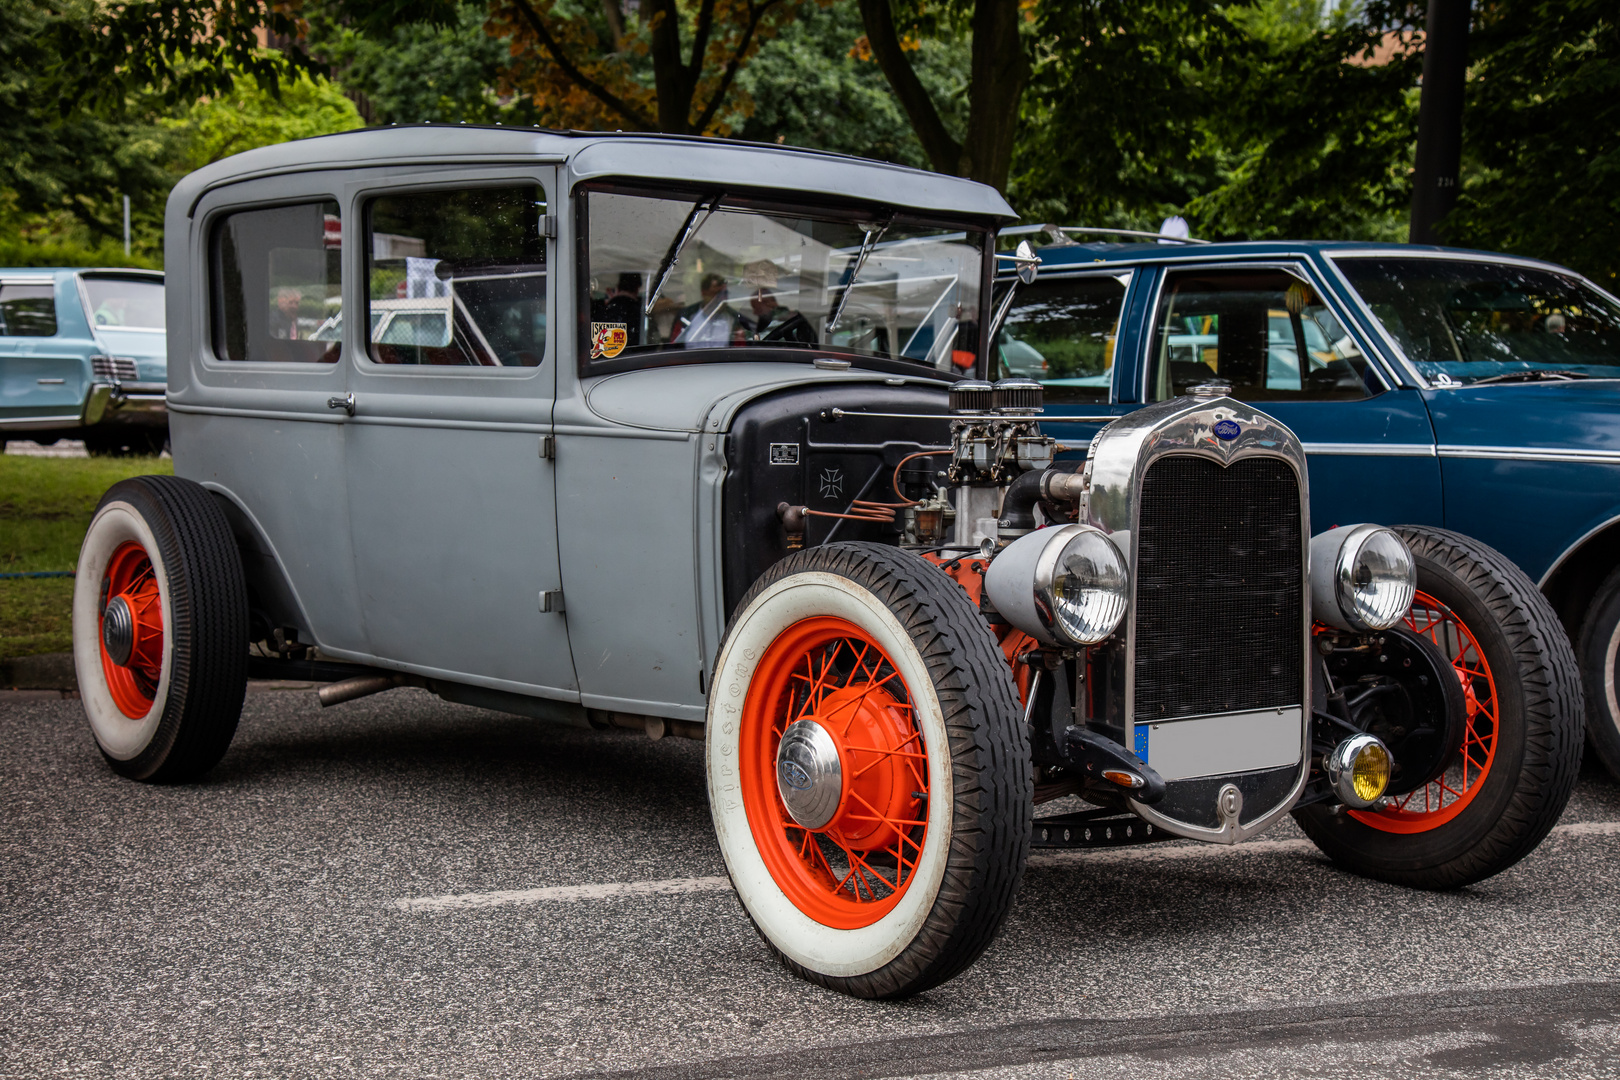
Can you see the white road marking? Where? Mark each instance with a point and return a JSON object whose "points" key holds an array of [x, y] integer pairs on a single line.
{"points": [[617, 890], [565, 894]]}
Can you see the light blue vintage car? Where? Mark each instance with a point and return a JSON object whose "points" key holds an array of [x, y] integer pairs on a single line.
{"points": [[82, 356], [693, 437]]}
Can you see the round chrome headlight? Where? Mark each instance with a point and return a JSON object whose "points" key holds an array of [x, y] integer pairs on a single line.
{"points": [[1375, 580], [1362, 578], [1085, 590]]}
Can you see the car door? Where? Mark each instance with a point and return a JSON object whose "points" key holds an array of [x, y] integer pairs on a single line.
{"points": [[1281, 342], [41, 358], [452, 503]]}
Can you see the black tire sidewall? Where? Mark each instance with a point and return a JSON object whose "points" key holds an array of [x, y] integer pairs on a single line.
{"points": [[1486, 593], [1598, 632], [205, 630]]}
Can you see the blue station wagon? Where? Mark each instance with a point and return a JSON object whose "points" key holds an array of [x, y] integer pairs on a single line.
{"points": [[1432, 386], [82, 356]]}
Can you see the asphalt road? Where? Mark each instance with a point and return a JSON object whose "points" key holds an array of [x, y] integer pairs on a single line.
{"points": [[287, 918]]}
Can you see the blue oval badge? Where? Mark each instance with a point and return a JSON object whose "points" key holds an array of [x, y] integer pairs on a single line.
{"points": [[1227, 429], [795, 776]]}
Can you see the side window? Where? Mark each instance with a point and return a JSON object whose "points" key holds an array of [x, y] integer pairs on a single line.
{"points": [[28, 309], [275, 283], [457, 277], [1265, 332], [1064, 332]]}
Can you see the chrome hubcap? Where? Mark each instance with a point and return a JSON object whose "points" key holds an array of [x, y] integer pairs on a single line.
{"points": [[809, 775], [118, 631]]}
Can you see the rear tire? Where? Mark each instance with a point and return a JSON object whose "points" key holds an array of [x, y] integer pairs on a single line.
{"points": [[1521, 749], [1599, 652], [163, 671], [884, 650]]}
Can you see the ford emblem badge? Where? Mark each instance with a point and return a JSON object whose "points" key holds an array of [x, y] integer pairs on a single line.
{"points": [[1227, 429], [795, 776]]}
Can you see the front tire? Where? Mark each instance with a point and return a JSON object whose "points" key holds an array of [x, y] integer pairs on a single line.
{"points": [[907, 839], [160, 629], [1507, 782]]}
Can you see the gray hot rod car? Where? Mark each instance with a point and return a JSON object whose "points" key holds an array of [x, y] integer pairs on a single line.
{"points": [[693, 437]]}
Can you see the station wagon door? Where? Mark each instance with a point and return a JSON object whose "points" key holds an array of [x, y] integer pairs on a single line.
{"points": [[452, 503]]}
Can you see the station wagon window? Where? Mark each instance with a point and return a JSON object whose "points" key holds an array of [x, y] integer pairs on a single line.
{"points": [[27, 309], [1064, 332], [276, 284], [457, 277], [715, 272], [1265, 332], [124, 303]]}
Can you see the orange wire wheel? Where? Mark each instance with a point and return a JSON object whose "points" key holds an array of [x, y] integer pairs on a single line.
{"points": [[1447, 795], [1488, 771], [131, 630], [869, 769], [834, 772]]}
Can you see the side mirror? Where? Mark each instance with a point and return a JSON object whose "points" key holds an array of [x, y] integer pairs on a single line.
{"points": [[1028, 262]]}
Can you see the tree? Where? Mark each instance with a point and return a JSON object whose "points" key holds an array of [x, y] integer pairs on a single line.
{"points": [[1116, 128], [814, 85], [999, 69], [1541, 147], [670, 66], [1314, 128]]}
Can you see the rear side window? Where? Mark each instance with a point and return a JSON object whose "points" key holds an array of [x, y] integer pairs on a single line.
{"points": [[457, 277], [1264, 332], [277, 296], [28, 310], [1064, 332], [118, 303]]}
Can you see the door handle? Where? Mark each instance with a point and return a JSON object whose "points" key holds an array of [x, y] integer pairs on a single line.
{"points": [[346, 403], [50, 382]]}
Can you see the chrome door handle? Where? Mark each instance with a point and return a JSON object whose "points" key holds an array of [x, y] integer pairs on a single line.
{"points": [[50, 382], [346, 403]]}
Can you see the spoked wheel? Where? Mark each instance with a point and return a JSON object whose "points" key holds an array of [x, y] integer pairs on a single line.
{"points": [[160, 629], [869, 773], [1496, 791], [1441, 799]]}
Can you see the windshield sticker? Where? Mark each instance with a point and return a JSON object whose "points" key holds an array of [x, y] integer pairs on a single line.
{"points": [[608, 339]]}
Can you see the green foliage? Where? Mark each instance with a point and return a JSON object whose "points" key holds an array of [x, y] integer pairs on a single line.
{"points": [[420, 71], [1541, 166], [1315, 130], [809, 87], [249, 116], [1115, 120]]}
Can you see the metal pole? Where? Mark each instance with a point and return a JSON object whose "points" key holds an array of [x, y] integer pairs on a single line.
{"points": [[126, 226], [1439, 142]]}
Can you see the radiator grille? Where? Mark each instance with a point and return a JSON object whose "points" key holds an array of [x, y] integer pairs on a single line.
{"points": [[117, 368], [1219, 593]]}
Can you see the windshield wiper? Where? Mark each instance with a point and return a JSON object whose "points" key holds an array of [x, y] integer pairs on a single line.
{"points": [[673, 255], [1532, 376], [874, 233]]}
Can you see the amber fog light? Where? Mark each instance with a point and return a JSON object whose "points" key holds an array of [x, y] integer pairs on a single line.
{"points": [[1359, 770]]}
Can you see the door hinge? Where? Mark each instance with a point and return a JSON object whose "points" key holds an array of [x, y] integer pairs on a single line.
{"points": [[548, 226], [551, 601], [548, 447]]}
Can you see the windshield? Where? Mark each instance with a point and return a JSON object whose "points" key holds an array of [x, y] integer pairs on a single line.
{"points": [[1463, 321], [746, 276], [125, 303]]}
